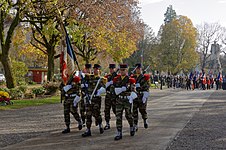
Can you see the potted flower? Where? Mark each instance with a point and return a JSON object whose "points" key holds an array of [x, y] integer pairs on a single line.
{"points": [[4, 98]]}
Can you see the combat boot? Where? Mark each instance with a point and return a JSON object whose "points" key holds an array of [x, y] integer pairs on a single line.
{"points": [[67, 130], [86, 133], [101, 129], [80, 125], [136, 127], [119, 135], [132, 131], [107, 126], [145, 124]]}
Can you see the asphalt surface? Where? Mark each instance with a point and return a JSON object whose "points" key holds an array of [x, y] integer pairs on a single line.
{"points": [[177, 120]]}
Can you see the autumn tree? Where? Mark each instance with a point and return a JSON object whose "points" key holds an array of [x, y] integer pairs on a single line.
{"points": [[207, 34], [177, 45], [10, 16], [107, 27], [45, 35]]}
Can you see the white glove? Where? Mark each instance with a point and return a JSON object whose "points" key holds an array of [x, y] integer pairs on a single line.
{"points": [[67, 87], [130, 99], [123, 89], [84, 85], [109, 83], [118, 91], [145, 96], [101, 91], [133, 95], [137, 85], [76, 100]]}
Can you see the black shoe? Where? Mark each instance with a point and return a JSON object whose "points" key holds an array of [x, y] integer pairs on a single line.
{"points": [[132, 131], [145, 125], [101, 130], [67, 130], [107, 127], [87, 133], [136, 128], [80, 126], [118, 136]]}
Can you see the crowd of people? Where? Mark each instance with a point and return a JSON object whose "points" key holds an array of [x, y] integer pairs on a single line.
{"points": [[193, 81], [123, 91]]}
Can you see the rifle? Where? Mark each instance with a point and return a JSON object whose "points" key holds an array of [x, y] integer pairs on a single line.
{"points": [[146, 69], [132, 72]]}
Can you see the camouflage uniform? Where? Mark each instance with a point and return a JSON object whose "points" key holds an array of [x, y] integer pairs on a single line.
{"points": [[93, 108], [142, 85], [83, 100], [110, 100], [70, 105], [123, 103]]}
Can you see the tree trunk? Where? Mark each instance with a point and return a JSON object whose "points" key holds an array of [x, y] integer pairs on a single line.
{"points": [[8, 72], [50, 71]]}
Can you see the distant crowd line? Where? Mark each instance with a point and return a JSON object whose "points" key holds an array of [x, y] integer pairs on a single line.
{"points": [[191, 82]]}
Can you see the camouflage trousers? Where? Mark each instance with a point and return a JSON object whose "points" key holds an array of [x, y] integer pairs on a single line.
{"points": [[121, 105], [138, 104], [110, 102], [93, 109], [82, 108], [70, 108]]}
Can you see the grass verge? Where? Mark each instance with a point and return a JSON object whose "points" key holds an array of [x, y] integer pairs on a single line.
{"points": [[17, 104]]}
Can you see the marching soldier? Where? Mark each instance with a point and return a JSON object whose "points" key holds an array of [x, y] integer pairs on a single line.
{"points": [[95, 89], [110, 98], [142, 88], [71, 99], [87, 71], [124, 89]]}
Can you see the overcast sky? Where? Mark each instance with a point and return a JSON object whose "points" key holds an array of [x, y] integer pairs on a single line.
{"points": [[198, 11]]}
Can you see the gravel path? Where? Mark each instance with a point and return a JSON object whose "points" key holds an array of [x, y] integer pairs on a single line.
{"points": [[207, 129]]}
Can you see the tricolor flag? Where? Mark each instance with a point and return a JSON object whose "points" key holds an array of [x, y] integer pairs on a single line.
{"points": [[67, 60]]}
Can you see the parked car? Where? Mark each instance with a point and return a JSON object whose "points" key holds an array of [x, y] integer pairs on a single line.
{"points": [[2, 78]]}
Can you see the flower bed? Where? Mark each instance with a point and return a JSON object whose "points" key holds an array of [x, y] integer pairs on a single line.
{"points": [[4, 98]]}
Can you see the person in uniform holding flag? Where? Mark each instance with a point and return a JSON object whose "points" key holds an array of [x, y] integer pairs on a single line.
{"points": [[110, 98], [125, 90], [87, 70], [96, 87], [142, 89], [71, 100]]}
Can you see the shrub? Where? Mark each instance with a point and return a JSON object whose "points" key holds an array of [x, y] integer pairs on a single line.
{"points": [[5, 90], [51, 87], [15, 93], [38, 91], [23, 88]]}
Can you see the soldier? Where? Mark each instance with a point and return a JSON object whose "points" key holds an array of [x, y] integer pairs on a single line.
{"points": [[142, 88], [87, 71], [95, 89], [110, 98], [72, 97], [124, 88]]}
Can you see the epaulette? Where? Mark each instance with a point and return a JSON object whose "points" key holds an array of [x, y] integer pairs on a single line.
{"points": [[76, 79], [116, 78], [132, 80], [146, 77]]}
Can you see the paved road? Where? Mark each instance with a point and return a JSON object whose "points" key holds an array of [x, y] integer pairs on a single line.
{"points": [[169, 111]]}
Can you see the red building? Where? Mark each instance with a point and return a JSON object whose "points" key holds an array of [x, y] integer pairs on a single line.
{"points": [[38, 75]]}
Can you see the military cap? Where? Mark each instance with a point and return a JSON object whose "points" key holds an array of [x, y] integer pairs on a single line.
{"points": [[88, 65], [138, 65], [97, 66], [112, 65], [123, 66]]}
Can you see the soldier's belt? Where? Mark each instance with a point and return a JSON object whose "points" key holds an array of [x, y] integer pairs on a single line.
{"points": [[123, 97], [70, 95]]}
